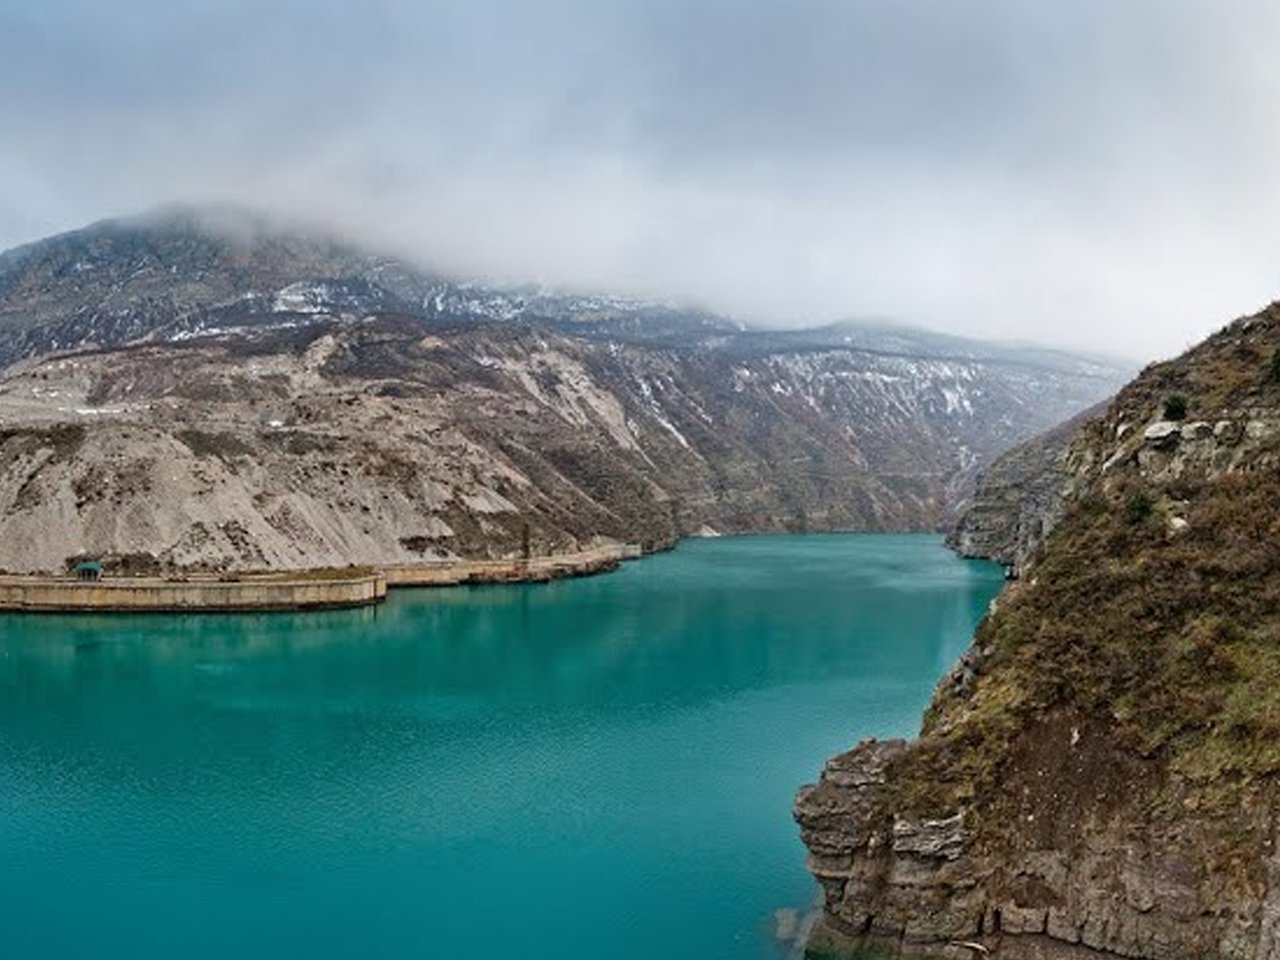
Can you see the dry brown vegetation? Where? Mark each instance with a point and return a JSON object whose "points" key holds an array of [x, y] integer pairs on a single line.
{"points": [[1161, 642]]}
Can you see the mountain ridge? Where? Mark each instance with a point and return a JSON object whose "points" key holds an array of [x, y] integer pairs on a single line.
{"points": [[581, 416], [238, 238]]}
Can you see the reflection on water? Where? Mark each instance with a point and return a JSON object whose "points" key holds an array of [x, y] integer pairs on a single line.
{"points": [[596, 766]]}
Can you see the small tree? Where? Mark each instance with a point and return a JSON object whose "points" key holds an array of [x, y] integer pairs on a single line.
{"points": [[1273, 373], [1175, 407]]}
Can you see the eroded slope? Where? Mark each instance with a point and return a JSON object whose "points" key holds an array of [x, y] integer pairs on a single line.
{"points": [[190, 389]]}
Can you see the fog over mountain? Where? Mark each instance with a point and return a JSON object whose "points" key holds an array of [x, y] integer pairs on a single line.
{"points": [[1092, 174]]}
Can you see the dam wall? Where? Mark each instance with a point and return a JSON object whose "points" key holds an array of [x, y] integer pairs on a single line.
{"points": [[54, 594]]}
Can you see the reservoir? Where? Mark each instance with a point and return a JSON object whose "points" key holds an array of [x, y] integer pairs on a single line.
{"points": [[590, 768]]}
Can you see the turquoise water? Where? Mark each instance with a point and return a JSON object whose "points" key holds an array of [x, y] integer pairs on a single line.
{"points": [[592, 768]]}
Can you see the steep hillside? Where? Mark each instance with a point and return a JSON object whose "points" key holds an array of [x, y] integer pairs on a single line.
{"points": [[1018, 499], [1100, 774], [194, 392]]}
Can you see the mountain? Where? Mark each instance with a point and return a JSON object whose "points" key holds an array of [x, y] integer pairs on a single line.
{"points": [[1100, 774], [210, 389]]}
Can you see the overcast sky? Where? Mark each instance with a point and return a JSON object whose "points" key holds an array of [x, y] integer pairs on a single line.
{"points": [[1101, 173]]}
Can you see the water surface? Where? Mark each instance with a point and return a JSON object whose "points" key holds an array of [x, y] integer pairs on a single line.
{"points": [[591, 768]]}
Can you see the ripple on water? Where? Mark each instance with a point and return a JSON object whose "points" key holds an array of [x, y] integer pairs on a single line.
{"points": [[599, 766]]}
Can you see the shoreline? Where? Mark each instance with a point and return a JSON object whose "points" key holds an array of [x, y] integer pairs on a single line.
{"points": [[557, 566], [290, 591]]}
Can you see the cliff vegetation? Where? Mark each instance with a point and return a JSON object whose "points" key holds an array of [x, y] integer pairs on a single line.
{"points": [[1103, 765]]}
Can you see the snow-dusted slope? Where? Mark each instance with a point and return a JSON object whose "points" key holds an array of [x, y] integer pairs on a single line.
{"points": [[606, 416]]}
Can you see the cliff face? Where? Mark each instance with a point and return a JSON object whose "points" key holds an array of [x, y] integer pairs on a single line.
{"points": [[1101, 772], [1018, 499], [188, 394]]}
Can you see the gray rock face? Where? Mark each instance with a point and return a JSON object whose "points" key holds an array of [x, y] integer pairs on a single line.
{"points": [[929, 888], [1021, 497], [929, 839], [1018, 500], [1163, 435], [884, 877]]}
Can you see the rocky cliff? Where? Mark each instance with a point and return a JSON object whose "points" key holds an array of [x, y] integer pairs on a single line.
{"points": [[1018, 499], [195, 390], [1100, 775]]}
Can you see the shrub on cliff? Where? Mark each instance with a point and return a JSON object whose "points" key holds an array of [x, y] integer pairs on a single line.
{"points": [[1175, 407], [1138, 508]]}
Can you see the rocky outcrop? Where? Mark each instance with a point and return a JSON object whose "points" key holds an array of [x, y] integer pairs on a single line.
{"points": [[1018, 500], [886, 878], [192, 395], [1100, 775]]}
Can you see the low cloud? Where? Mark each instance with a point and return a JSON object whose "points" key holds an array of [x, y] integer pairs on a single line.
{"points": [[1096, 174]]}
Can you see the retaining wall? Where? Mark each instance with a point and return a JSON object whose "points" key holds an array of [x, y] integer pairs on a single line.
{"points": [[54, 594], [58, 594]]}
